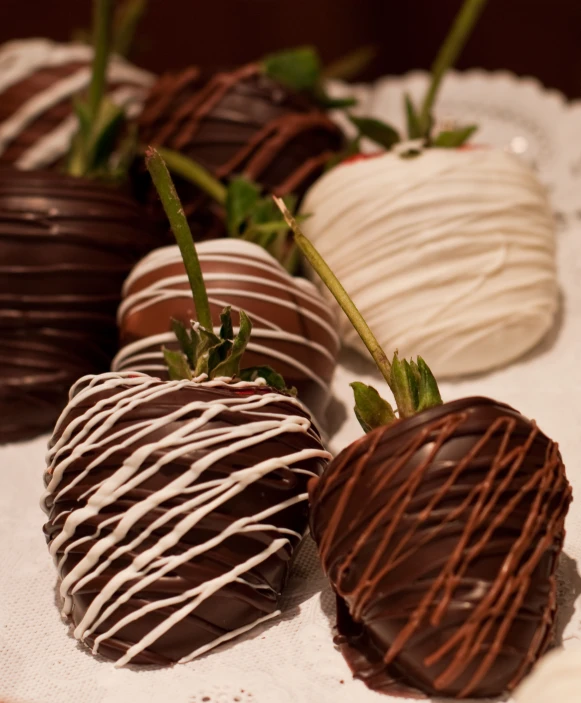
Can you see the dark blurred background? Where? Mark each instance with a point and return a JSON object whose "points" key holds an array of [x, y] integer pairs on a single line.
{"points": [[530, 37]]}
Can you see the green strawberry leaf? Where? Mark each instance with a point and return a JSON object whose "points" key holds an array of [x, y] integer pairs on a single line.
{"points": [[241, 198], [230, 365], [410, 154], [414, 369], [413, 120], [185, 341], [428, 391], [454, 138], [95, 140], [404, 394], [265, 211], [257, 219], [413, 381], [299, 69], [371, 409], [226, 328], [104, 133], [83, 115], [329, 103], [208, 342], [125, 154], [266, 228], [267, 240], [177, 365], [272, 378], [379, 132]]}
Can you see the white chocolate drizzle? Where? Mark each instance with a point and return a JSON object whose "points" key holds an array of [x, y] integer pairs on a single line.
{"points": [[20, 59], [450, 254], [267, 334], [100, 431]]}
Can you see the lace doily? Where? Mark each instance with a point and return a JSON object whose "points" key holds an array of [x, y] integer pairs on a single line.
{"points": [[293, 659]]}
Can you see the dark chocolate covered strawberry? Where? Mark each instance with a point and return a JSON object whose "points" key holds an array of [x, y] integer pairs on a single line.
{"points": [[260, 121], [440, 532], [174, 507], [67, 242]]}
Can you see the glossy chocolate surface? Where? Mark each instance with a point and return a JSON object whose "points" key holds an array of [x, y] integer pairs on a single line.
{"points": [[293, 326], [66, 246], [39, 80], [16, 96], [440, 535], [180, 511], [238, 123]]}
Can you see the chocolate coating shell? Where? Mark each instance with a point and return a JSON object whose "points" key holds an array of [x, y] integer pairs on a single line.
{"points": [[176, 505], [39, 79], [66, 245], [440, 535], [238, 122], [293, 326]]}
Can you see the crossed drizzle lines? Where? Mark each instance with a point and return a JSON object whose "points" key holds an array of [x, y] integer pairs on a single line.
{"points": [[506, 595], [100, 432], [263, 147]]}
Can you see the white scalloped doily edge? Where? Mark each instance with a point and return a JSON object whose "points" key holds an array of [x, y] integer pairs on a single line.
{"points": [[518, 114]]}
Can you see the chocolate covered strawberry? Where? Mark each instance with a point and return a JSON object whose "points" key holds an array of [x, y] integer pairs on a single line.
{"points": [[447, 249], [174, 507], [260, 120], [67, 242], [440, 531], [293, 325]]}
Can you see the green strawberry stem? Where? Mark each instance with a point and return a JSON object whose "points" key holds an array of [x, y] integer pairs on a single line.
{"points": [[194, 173], [340, 294], [99, 119], [249, 215], [453, 45], [101, 26], [127, 18], [412, 383], [179, 224]]}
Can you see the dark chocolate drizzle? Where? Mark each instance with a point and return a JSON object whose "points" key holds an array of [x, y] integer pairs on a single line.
{"points": [[66, 246], [441, 534], [139, 426], [239, 122]]}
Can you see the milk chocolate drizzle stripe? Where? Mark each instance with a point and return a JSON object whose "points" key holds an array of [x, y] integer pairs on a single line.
{"points": [[96, 428], [506, 595], [263, 147], [268, 142]]}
